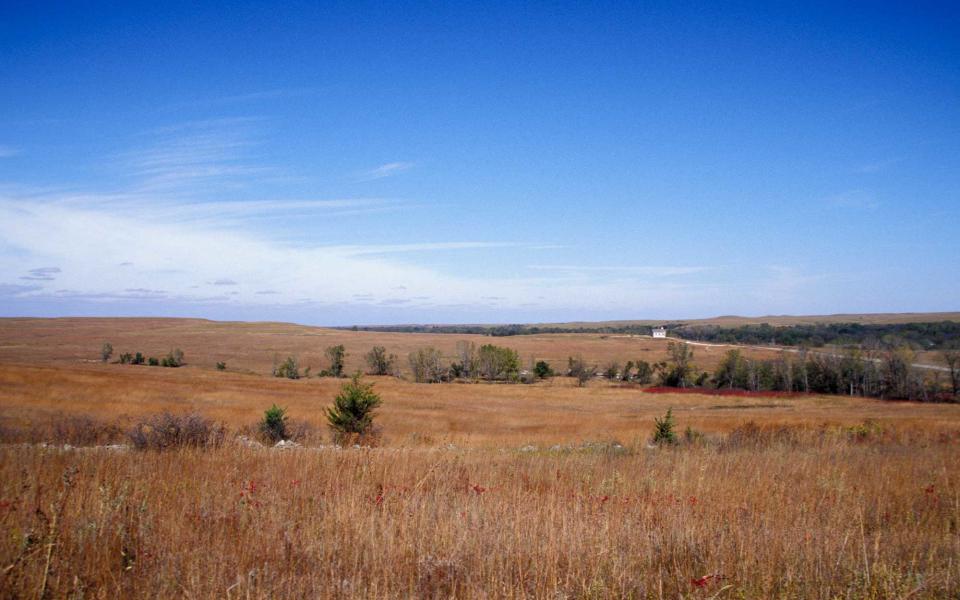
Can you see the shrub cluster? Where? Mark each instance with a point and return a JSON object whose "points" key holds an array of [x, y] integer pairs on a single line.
{"points": [[167, 431], [174, 358]]}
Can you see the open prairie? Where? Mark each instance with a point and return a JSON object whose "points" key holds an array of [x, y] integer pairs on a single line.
{"points": [[254, 346], [477, 490]]}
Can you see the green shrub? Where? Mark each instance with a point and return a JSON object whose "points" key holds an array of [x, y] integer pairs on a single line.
{"points": [[221, 366], [126, 358], [336, 356], [138, 358], [351, 416], [106, 351], [542, 369], [644, 372], [290, 368], [153, 361], [498, 363], [663, 432], [174, 358], [273, 427]]}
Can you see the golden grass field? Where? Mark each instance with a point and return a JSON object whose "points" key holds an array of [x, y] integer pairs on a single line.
{"points": [[466, 496]]}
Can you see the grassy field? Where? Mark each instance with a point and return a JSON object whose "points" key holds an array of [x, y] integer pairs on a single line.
{"points": [[254, 346], [477, 490]]}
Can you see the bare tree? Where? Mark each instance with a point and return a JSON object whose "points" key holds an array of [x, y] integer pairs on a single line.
{"points": [[427, 365], [577, 367], [467, 358], [379, 361], [951, 356], [680, 370]]}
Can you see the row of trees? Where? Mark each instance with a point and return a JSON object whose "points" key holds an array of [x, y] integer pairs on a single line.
{"points": [[855, 371], [883, 373], [289, 368], [919, 335], [174, 358], [488, 362]]}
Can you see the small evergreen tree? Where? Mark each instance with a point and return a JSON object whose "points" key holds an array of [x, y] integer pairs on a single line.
{"points": [[106, 351], [663, 432], [351, 415], [542, 369], [273, 427]]}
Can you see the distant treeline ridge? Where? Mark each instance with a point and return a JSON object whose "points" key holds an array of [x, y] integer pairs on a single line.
{"points": [[925, 336]]}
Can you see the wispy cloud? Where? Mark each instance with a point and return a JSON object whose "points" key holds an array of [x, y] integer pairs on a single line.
{"points": [[170, 255], [372, 249], [12, 289], [633, 270], [385, 170], [210, 153], [41, 274]]}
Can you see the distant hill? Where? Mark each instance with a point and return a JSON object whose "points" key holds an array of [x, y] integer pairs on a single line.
{"points": [[776, 320], [923, 331]]}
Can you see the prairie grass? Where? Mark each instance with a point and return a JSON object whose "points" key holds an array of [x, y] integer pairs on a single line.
{"points": [[478, 491], [815, 517]]}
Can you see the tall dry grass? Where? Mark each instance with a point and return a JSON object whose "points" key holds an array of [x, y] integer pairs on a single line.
{"points": [[805, 515], [820, 497]]}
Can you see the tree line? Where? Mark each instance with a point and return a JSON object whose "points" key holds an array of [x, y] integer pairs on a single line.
{"points": [[875, 371], [920, 336]]}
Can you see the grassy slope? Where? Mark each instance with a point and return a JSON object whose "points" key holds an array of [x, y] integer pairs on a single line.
{"points": [[804, 510]]}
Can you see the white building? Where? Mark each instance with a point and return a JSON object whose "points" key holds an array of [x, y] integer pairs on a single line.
{"points": [[659, 332]]}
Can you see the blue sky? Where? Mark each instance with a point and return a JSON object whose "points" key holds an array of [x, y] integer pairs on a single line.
{"points": [[393, 163]]}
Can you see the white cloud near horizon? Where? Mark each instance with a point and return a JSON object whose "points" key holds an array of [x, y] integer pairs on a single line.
{"points": [[165, 236], [172, 255]]}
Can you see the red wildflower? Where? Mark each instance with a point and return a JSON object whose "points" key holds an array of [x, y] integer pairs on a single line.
{"points": [[702, 582]]}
